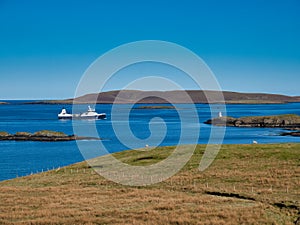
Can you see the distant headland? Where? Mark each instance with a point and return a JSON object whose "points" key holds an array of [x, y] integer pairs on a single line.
{"points": [[176, 97]]}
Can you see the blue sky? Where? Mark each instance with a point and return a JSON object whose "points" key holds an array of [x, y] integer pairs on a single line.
{"points": [[45, 46]]}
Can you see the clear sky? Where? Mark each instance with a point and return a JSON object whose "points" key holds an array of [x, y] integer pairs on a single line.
{"points": [[45, 46]]}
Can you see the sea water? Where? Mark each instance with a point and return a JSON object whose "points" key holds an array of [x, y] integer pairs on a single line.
{"points": [[20, 158]]}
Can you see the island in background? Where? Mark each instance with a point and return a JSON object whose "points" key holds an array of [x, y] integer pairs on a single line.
{"points": [[175, 97], [156, 107]]}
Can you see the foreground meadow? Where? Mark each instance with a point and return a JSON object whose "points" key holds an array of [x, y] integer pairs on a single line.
{"points": [[246, 184]]}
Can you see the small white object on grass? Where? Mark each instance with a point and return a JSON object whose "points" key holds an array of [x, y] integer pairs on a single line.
{"points": [[255, 142]]}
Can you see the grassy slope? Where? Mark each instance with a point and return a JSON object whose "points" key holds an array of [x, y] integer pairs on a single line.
{"points": [[246, 184]]}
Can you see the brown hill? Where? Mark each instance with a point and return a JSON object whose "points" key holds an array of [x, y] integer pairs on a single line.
{"points": [[197, 96]]}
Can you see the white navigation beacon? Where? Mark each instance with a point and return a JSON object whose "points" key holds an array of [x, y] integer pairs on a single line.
{"points": [[220, 114]]}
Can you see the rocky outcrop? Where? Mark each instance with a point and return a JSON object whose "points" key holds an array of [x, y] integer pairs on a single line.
{"points": [[294, 134], [44, 135], [280, 121]]}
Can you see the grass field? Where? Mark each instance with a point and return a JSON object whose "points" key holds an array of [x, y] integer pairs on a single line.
{"points": [[246, 184]]}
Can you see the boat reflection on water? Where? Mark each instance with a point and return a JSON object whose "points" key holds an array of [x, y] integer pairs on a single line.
{"points": [[90, 114]]}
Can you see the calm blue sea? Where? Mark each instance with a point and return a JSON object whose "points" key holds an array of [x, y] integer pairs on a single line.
{"points": [[23, 158]]}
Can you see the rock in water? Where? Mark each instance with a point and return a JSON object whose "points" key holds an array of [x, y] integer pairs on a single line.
{"points": [[280, 121]]}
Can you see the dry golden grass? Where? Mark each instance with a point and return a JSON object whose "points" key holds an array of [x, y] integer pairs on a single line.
{"points": [[246, 184]]}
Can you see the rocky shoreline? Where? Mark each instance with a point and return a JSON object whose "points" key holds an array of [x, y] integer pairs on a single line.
{"points": [[44, 135], [280, 121]]}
